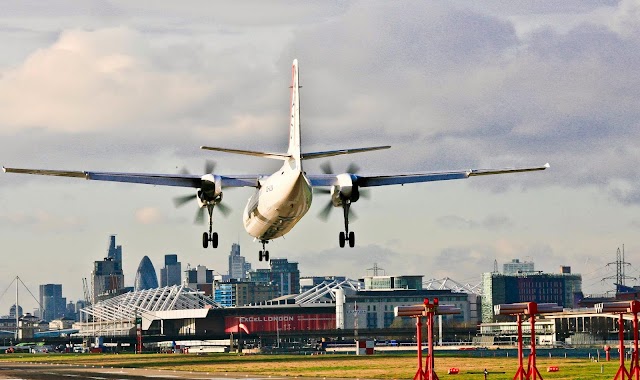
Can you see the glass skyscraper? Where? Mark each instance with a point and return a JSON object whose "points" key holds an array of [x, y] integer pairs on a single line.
{"points": [[146, 277]]}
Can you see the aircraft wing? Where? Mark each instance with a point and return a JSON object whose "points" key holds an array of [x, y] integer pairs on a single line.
{"points": [[179, 180], [400, 179]]}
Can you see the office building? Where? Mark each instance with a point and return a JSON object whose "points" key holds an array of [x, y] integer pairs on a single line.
{"points": [[200, 278], [517, 266], [392, 282], [12, 311], [146, 277], [565, 289], [374, 309], [115, 251], [238, 266], [171, 273], [282, 274], [52, 304], [107, 278], [240, 293]]}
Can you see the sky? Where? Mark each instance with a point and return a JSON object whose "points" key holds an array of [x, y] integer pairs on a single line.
{"points": [[139, 87]]}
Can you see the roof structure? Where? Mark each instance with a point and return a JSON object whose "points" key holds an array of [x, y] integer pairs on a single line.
{"points": [[325, 291], [447, 283], [148, 303]]}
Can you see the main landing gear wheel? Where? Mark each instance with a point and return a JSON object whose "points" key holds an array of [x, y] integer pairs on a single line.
{"points": [[213, 238], [264, 254], [210, 236], [350, 238]]}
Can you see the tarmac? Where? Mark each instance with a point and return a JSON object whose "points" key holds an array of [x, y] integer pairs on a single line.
{"points": [[42, 371]]}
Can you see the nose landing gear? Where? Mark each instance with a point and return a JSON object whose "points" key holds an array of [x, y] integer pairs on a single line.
{"points": [[264, 254]]}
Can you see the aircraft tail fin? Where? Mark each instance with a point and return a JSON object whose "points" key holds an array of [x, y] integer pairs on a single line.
{"points": [[294, 123]]}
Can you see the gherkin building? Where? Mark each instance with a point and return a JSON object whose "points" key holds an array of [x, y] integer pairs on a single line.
{"points": [[146, 277]]}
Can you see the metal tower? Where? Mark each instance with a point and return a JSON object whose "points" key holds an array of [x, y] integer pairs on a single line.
{"points": [[620, 264]]}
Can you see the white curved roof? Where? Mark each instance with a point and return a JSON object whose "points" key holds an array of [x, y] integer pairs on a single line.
{"points": [[148, 302]]}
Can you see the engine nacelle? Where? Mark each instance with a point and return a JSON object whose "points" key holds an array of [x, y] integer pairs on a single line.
{"points": [[210, 191], [345, 190]]}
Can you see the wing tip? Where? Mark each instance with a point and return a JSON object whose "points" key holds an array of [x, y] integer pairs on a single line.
{"points": [[4, 169], [547, 166]]}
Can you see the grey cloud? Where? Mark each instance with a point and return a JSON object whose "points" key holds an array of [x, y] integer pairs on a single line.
{"points": [[491, 222]]}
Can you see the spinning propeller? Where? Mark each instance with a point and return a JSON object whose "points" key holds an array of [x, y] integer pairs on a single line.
{"points": [[337, 200], [202, 211]]}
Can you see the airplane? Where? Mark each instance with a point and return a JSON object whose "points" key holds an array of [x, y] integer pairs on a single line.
{"points": [[281, 199]]}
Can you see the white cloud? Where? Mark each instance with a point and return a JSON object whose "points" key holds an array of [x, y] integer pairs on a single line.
{"points": [[149, 215], [95, 80]]}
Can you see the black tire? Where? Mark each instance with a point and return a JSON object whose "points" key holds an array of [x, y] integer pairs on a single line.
{"points": [[266, 255], [214, 240], [205, 240], [352, 239], [341, 239], [260, 256]]}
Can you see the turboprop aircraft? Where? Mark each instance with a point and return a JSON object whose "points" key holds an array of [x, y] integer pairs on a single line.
{"points": [[284, 197]]}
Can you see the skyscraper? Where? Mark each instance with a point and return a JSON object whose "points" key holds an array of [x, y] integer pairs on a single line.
{"points": [[115, 251], [52, 304], [171, 273], [238, 267], [107, 278], [146, 277]]}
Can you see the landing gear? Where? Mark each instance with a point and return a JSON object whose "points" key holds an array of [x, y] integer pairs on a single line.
{"points": [[210, 236], [346, 236], [264, 254]]}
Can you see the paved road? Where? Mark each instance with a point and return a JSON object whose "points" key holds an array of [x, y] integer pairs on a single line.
{"points": [[37, 371]]}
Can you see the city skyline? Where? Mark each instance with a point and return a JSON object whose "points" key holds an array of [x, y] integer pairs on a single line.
{"points": [[448, 86]]}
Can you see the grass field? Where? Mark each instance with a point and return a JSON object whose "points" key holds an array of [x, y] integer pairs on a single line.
{"points": [[330, 366]]}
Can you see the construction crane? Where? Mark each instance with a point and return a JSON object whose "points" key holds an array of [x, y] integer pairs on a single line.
{"points": [[85, 289]]}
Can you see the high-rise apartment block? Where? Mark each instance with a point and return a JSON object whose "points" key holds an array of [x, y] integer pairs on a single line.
{"points": [[52, 304], [171, 273]]}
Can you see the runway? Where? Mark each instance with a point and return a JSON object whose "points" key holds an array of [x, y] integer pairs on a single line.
{"points": [[39, 371]]}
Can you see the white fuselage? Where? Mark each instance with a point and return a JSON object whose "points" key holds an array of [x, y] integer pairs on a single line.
{"points": [[281, 201]]}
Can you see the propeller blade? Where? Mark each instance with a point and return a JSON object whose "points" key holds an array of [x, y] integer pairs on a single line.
{"points": [[181, 200], [209, 166], [365, 193], [324, 213], [353, 168], [224, 209], [200, 216], [321, 190], [326, 168], [184, 171]]}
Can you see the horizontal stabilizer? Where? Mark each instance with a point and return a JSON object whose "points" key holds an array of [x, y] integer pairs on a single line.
{"points": [[329, 153], [277, 156]]}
